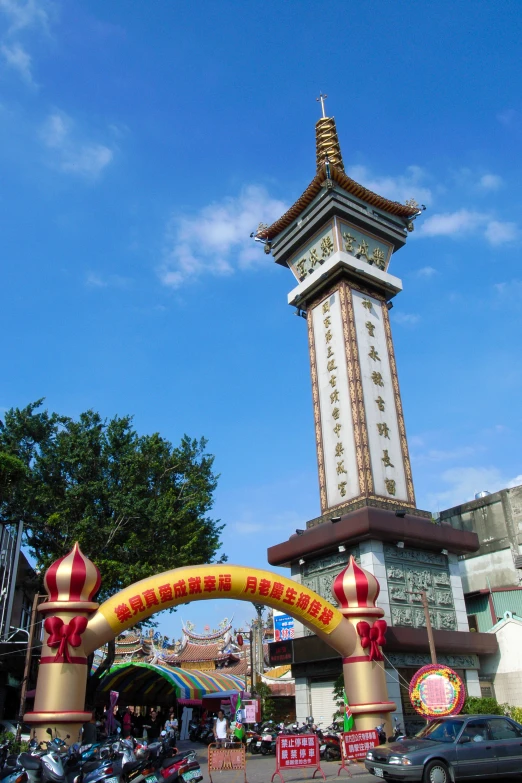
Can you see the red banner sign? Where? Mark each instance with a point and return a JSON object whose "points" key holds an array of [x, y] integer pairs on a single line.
{"points": [[297, 751], [356, 744]]}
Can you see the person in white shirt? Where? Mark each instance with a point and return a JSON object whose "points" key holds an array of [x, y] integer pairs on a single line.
{"points": [[221, 728]]}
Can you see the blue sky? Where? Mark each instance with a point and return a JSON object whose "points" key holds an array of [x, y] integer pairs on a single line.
{"points": [[141, 143]]}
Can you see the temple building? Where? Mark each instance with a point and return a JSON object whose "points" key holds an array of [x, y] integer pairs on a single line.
{"points": [[339, 241], [150, 669]]}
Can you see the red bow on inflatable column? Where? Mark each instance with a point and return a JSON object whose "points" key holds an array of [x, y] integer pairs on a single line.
{"points": [[61, 635], [373, 637]]}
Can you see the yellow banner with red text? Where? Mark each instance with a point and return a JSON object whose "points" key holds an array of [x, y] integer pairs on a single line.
{"points": [[197, 583]]}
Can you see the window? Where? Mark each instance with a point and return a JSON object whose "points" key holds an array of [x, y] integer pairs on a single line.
{"points": [[441, 730], [473, 622], [476, 730], [502, 729]]}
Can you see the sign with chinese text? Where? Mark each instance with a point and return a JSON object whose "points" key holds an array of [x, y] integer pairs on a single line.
{"points": [[252, 711], [310, 257], [338, 467], [195, 583], [436, 690], [296, 752], [280, 652], [365, 246], [356, 744], [283, 627], [232, 758]]}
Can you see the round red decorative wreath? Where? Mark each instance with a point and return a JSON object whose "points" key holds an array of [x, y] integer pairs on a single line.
{"points": [[436, 690]]}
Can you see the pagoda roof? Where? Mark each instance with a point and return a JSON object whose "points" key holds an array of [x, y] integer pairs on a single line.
{"points": [[346, 183], [206, 638]]}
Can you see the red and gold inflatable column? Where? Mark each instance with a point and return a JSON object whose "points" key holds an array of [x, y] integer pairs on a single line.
{"points": [[356, 591], [59, 703]]}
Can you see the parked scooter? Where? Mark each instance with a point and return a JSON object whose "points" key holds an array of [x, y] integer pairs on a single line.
{"points": [[398, 734], [381, 734], [329, 743]]}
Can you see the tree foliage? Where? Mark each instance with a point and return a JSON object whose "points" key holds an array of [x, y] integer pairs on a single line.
{"points": [[136, 504], [484, 705]]}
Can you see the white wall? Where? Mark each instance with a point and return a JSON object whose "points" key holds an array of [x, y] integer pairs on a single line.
{"points": [[505, 667], [497, 567]]}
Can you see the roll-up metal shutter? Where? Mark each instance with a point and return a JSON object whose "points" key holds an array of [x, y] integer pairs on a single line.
{"points": [[322, 701]]}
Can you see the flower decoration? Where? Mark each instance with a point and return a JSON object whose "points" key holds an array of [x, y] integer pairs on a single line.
{"points": [[436, 690]]}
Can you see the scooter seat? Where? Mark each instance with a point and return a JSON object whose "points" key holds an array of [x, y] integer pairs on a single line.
{"points": [[130, 766], [88, 766], [29, 762]]}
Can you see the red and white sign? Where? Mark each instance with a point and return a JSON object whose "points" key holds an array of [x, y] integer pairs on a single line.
{"points": [[356, 744], [297, 751], [300, 750], [252, 710]]}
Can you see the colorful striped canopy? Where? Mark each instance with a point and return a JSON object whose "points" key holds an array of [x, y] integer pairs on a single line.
{"points": [[153, 683]]}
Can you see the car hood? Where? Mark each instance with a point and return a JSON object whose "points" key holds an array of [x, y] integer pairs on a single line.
{"points": [[408, 746]]}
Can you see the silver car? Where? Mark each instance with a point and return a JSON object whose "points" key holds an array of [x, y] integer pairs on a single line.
{"points": [[451, 749]]}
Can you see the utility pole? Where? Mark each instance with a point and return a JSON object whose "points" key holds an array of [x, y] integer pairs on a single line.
{"points": [[27, 669], [252, 675], [431, 640]]}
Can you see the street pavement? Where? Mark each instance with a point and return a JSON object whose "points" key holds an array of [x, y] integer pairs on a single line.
{"points": [[261, 768]]}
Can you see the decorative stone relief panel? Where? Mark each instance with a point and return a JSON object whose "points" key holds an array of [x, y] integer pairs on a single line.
{"points": [[410, 571], [319, 574]]}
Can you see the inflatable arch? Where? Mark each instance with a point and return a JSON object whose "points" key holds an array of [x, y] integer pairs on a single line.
{"points": [[75, 626]]}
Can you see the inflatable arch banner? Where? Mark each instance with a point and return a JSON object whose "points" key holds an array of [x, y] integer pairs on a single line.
{"points": [[75, 626], [197, 583]]}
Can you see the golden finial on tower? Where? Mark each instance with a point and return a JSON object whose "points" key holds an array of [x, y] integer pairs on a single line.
{"points": [[327, 143]]}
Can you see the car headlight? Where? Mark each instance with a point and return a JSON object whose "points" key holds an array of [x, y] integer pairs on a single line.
{"points": [[369, 755], [402, 760]]}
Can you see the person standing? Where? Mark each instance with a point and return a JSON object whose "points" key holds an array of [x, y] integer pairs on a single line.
{"points": [[171, 724], [221, 728], [153, 726], [126, 723]]}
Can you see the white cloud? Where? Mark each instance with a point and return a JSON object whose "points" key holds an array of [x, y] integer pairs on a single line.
{"points": [[406, 319], [401, 188], [513, 288], [509, 117], [21, 15], [55, 130], [464, 483], [19, 60], [490, 182], [451, 223], [497, 233], [217, 241], [465, 221], [426, 271], [69, 154], [447, 455], [95, 280], [252, 522]]}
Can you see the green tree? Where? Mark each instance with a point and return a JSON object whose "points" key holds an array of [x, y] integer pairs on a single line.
{"points": [[136, 504], [267, 702]]}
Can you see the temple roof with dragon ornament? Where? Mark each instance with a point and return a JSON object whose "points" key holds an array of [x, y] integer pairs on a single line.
{"points": [[214, 649]]}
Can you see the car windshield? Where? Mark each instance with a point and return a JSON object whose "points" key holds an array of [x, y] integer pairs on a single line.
{"points": [[441, 731]]}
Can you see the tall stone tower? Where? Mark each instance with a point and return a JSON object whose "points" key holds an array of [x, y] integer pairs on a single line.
{"points": [[338, 240]]}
